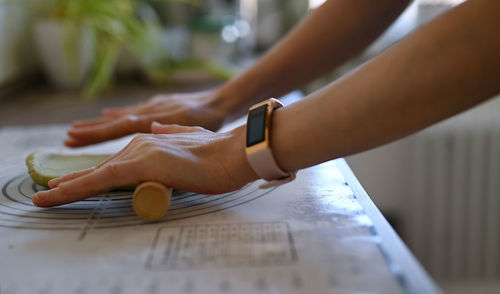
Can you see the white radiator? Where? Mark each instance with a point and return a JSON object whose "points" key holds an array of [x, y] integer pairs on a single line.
{"points": [[455, 227]]}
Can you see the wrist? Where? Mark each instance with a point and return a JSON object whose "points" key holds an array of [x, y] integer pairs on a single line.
{"points": [[238, 143], [234, 98]]}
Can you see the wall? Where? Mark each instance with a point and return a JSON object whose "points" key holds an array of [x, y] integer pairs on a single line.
{"points": [[381, 171]]}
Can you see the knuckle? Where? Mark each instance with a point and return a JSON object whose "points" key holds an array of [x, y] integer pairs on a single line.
{"points": [[130, 118], [146, 143], [63, 187], [139, 138], [135, 140], [112, 170], [130, 122]]}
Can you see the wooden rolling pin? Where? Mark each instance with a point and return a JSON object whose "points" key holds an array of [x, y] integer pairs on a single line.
{"points": [[151, 200]]}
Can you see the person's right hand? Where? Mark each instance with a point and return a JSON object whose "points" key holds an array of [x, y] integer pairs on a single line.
{"points": [[184, 158], [192, 109]]}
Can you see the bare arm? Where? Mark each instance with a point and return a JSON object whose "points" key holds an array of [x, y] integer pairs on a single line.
{"points": [[444, 68], [329, 36]]}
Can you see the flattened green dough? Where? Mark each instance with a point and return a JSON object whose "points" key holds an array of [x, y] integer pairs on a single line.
{"points": [[44, 166]]}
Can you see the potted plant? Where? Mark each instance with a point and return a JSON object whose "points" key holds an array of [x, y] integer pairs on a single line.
{"points": [[95, 32], [79, 41]]}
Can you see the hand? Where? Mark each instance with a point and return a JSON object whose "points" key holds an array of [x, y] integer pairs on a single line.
{"points": [[185, 158], [201, 108]]}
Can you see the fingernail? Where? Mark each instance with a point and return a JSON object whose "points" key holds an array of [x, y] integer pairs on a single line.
{"points": [[69, 142], [71, 132]]}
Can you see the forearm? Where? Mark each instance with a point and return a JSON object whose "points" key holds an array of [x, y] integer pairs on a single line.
{"points": [[442, 69], [330, 35]]}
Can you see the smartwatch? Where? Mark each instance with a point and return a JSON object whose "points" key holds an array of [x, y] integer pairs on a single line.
{"points": [[258, 144]]}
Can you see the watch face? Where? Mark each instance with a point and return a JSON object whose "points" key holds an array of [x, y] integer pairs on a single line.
{"points": [[256, 125]]}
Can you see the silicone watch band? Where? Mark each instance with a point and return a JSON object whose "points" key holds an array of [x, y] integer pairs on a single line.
{"points": [[262, 161]]}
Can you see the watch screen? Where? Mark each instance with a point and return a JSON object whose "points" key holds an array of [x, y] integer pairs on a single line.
{"points": [[256, 125]]}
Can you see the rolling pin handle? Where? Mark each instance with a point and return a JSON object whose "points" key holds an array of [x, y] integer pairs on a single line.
{"points": [[151, 200]]}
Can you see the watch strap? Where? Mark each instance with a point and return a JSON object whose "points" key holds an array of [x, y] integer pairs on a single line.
{"points": [[264, 164]]}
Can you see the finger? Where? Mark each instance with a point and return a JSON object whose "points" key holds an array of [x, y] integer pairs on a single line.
{"points": [[74, 142], [90, 122], [55, 182], [136, 110], [71, 142], [157, 128], [120, 111], [114, 112], [111, 130], [99, 181]]}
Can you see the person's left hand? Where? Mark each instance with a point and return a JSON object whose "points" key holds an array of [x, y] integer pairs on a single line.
{"points": [[186, 158]]}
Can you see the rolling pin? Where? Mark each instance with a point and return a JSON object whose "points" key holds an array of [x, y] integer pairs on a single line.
{"points": [[151, 200]]}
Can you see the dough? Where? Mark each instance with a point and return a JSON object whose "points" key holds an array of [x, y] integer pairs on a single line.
{"points": [[44, 166]]}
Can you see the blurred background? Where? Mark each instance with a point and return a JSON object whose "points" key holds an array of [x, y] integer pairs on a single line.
{"points": [[440, 188]]}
